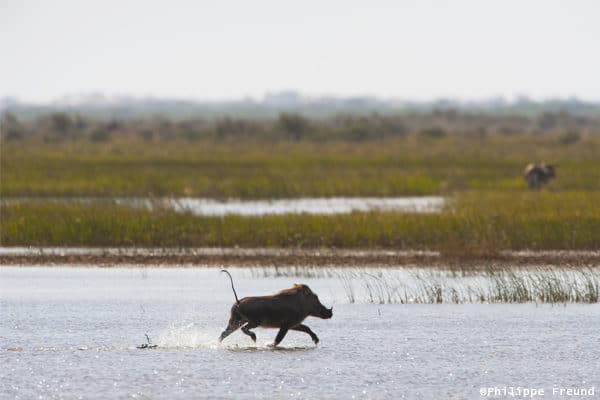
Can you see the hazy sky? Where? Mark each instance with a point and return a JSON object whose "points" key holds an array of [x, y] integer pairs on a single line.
{"points": [[412, 49]]}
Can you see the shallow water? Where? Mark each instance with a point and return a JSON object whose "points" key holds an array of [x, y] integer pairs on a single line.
{"points": [[332, 205], [327, 205], [239, 251], [73, 332]]}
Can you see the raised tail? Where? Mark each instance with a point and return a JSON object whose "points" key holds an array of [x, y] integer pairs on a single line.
{"points": [[231, 279]]}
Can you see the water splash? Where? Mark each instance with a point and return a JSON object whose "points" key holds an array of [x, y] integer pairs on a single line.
{"points": [[189, 336], [177, 336]]}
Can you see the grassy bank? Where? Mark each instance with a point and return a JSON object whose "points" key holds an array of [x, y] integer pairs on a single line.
{"points": [[472, 223], [243, 168]]}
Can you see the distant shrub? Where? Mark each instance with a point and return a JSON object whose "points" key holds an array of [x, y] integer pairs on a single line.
{"points": [[112, 126], [80, 123], [547, 121], [163, 127], [61, 122], [100, 135], [435, 132], [234, 127], [479, 133], [224, 127], [146, 134], [295, 126], [393, 127], [569, 138], [193, 130], [359, 129], [10, 127], [507, 130]]}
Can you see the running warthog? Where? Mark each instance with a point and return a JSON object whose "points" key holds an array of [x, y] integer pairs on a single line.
{"points": [[285, 310], [538, 174]]}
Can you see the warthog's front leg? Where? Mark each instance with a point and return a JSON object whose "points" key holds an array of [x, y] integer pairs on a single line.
{"points": [[280, 335], [306, 329], [246, 330]]}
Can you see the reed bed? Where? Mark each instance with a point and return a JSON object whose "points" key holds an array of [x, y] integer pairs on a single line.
{"points": [[435, 286], [473, 223]]}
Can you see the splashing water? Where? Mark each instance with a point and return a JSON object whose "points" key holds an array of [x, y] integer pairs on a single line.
{"points": [[178, 336], [189, 336]]}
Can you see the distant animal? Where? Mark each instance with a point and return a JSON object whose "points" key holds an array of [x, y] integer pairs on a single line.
{"points": [[537, 175], [284, 310]]}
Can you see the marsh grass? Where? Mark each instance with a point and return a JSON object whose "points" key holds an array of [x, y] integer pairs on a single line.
{"points": [[472, 223], [246, 169], [435, 286]]}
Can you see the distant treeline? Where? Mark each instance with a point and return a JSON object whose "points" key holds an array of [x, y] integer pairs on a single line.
{"points": [[61, 126]]}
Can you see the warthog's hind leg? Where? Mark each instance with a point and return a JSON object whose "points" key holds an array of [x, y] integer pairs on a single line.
{"points": [[232, 326], [306, 329], [246, 330]]}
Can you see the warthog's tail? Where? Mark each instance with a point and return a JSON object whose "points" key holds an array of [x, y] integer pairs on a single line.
{"points": [[231, 279]]}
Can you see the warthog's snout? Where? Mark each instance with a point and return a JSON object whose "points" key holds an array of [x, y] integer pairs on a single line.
{"points": [[326, 313]]}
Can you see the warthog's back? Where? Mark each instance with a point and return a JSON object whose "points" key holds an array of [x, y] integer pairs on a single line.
{"points": [[273, 311]]}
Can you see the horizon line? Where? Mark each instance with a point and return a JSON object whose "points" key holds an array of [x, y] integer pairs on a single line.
{"points": [[292, 93]]}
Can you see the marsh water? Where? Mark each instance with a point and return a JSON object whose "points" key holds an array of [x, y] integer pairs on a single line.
{"points": [[309, 205], [72, 333]]}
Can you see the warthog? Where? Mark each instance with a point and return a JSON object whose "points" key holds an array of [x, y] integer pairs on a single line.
{"points": [[538, 174], [284, 310]]}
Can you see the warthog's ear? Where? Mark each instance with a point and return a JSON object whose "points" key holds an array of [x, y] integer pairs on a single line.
{"points": [[306, 290], [303, 288]]}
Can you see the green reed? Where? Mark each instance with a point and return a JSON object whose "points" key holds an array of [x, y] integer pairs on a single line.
{"points": [[471, 223]]}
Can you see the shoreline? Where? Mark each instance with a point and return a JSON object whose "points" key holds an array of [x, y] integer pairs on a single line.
{"points": [[281, 257]]}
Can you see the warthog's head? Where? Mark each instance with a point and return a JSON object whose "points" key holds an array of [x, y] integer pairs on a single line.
{"points": [[549, 170], [312, 304]]}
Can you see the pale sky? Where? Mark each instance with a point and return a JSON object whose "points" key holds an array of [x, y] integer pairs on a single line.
{"points": [[408, 49]]}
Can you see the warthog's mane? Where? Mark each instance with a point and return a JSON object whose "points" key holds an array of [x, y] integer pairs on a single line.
{"points": [[295, 289]]}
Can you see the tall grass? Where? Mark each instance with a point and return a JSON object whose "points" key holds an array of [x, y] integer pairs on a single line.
{"points": [[409, 165], [539, 285], [389, 286], [472, 223]]}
